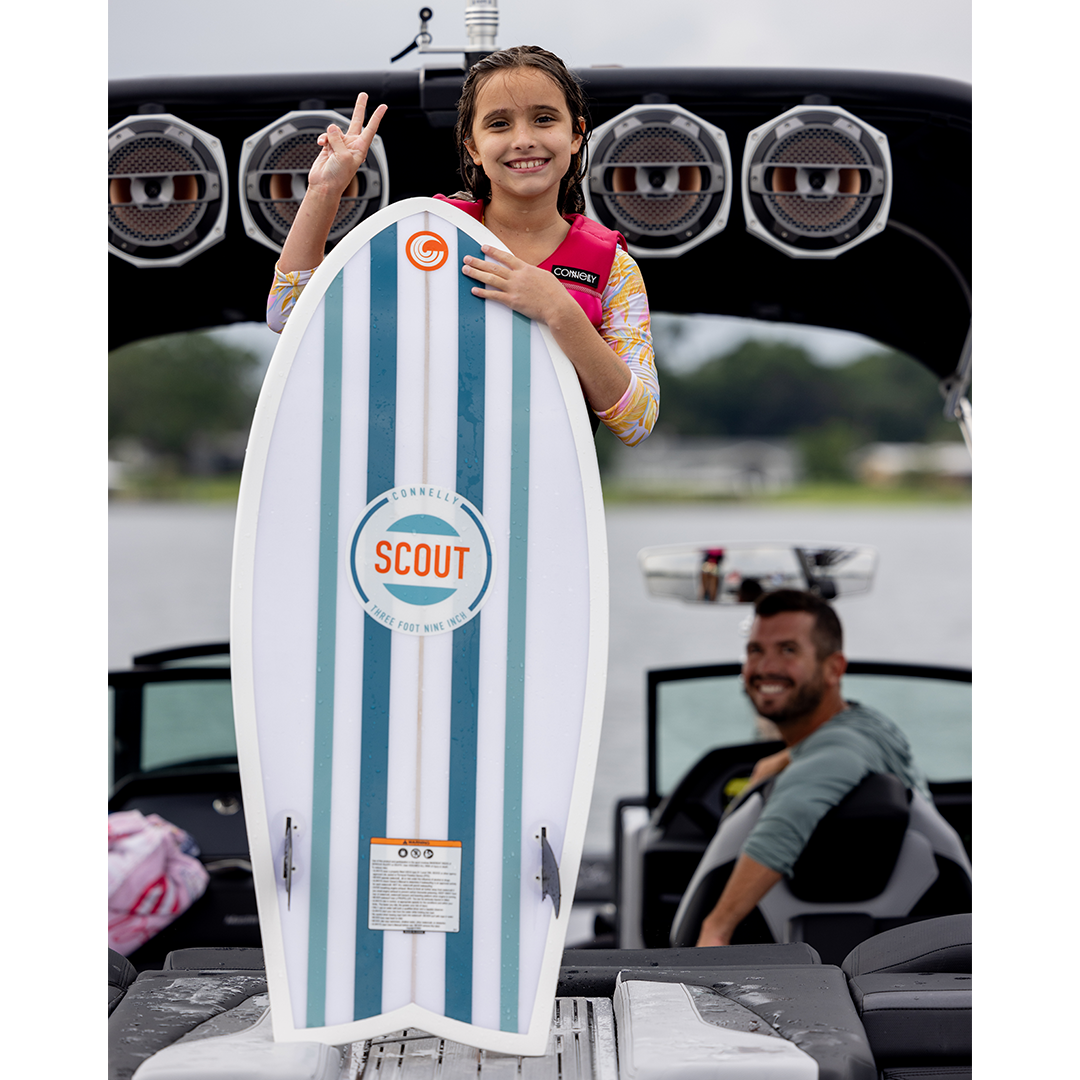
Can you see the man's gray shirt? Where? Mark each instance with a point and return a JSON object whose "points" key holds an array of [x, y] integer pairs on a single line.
{"points": [[824, 767]]}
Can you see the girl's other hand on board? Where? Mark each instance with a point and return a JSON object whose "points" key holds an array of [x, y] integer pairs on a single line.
{"points": [[343, 152], [527, 289]]}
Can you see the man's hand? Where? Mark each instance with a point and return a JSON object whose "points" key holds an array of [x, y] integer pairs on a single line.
{"points": [[713, 933], [748, 883]]}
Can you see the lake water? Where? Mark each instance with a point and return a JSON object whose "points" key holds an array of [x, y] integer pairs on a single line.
{"points": [[169, 567]]}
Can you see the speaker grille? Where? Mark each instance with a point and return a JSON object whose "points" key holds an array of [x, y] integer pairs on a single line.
{"points": [[658, 214], [818, 214], [168, 190], [816, 181], [161, 158], [818, 146], [660, 175]]}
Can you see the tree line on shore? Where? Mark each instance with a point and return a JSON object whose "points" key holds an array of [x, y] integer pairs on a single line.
{"points": [[769, 389], [172, 395]]}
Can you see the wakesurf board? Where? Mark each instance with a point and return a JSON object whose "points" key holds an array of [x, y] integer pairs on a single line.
{"points": [[419, 647]]}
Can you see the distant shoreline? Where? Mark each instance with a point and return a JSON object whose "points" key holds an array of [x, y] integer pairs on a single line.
{"points": [[224, 489]]}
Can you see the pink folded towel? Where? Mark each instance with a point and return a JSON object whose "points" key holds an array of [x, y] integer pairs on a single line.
{"points": [[151, 879]]}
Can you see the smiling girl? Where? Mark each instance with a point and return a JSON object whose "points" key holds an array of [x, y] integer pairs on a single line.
{"points": [[521, 135]]}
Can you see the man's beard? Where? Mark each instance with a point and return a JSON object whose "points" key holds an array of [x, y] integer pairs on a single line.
{"points": [[804, 701]]}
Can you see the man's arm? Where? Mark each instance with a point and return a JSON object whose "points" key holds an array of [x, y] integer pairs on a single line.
{"points": [[768, 766], [749, 882]]}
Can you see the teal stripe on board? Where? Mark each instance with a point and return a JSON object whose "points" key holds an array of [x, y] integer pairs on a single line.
{"points": [[367, 990], [375, 696], [517, 561], [471, 380], [465, 678], [465, 684], [325, 643], [382, 392]]}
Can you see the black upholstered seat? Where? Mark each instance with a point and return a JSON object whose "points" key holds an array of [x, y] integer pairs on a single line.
{"points": [[912, 989], [121, 975], [928, 1072], [942, 944]]}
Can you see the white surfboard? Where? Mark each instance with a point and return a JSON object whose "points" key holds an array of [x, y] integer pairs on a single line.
{"points": [[419, 647]]}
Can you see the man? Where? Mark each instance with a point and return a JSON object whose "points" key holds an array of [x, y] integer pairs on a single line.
{"points": [[794, 663]]}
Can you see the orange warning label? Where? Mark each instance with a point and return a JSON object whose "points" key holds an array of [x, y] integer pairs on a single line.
{"points": [[414, 885], [421, 843]]}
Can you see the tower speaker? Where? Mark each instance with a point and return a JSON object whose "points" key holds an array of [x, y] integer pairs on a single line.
{"points": [[274, 164], [168, 190], [660, 175], [816, 181]]}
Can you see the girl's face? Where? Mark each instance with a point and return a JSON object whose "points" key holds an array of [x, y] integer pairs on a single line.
{"points": [[523, 135]]}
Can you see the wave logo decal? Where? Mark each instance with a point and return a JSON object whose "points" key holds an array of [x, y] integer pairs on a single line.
{"points": [[427, 250], [421, 560]]}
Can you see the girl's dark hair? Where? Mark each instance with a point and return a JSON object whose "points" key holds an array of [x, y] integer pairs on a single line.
{"points": [[477, 185]]}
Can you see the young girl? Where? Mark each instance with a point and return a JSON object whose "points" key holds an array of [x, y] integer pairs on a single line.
{"points": [[520, 136]]}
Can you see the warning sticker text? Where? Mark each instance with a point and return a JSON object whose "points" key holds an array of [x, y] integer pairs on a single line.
{"points": [[414, 885]]}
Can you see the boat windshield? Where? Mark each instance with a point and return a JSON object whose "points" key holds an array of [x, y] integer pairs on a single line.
{"points": [[183, 721], [170, 718], [694, 710]]}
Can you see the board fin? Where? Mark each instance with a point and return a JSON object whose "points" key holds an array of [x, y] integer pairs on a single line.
{"points": [[549, 873], [288, 868]]}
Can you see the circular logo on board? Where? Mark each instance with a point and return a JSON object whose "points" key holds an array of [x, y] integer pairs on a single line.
{"points": [[427, 250], [421, 560]]}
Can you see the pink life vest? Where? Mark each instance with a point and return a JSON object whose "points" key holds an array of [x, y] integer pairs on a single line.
{"points": [[582, 262]]}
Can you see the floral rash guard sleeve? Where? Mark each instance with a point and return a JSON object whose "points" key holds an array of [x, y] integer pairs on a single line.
{"points": [[284, 293], [625, 328]]}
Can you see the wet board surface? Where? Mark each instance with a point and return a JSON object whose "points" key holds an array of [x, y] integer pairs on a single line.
{"points": [[419, 646]]}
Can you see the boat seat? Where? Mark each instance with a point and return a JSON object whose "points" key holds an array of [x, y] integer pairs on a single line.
{"points": [[915, 1018], [121, 975], [160, 1007], [593, 972], [229, 958], [928, 1072], [666, 1036], [912, 989], [881, 856], [670, 847], [942, 944]]}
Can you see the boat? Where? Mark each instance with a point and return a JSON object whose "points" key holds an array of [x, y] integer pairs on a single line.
{"points": [[839, 988]]}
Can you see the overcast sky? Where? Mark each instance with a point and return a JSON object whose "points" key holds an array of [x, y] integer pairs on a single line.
{"points": [[215, 37]]}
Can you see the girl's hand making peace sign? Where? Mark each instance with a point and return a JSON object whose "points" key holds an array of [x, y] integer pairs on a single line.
{"points": [[342, 153]]}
